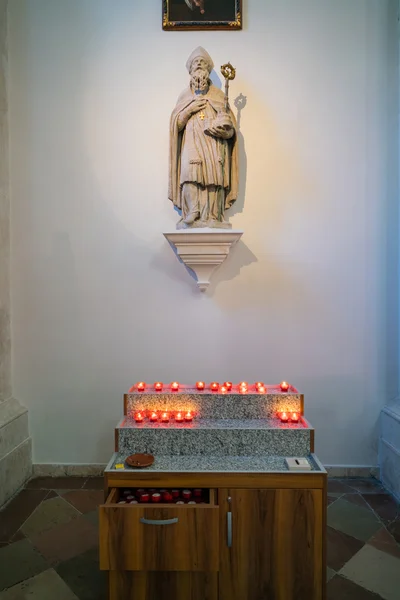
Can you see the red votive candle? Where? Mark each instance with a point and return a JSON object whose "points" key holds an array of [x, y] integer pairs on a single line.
{"points": [[165, 417], [175, 494], [223, 389], [154, 416], [186, 494], [139, 417], [141, 386], [284, 386], [294, 417], [243, 389], [200, 385], [158, 386], [228, 385], [214, 386], [179, 417], [261, 389], [243, 384], [197, 493], [156, 497], [284, 417], [189, 416], [167, 497], [179, 502], [259, 384], [145, 497], [174, 386]]}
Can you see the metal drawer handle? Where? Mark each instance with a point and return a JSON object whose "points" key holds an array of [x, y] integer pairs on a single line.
{"points": [[158, 521], [229, 523]]}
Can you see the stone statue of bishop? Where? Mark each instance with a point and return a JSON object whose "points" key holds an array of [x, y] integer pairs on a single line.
{"points": [[203, 163]]}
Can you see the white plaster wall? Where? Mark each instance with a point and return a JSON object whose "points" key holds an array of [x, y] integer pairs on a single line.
{"points": [[98, 298]]}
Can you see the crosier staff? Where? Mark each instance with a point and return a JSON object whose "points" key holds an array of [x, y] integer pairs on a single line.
{"points": [[229, 72]]}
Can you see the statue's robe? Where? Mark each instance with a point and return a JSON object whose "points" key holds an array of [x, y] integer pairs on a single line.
{"points": [[198, 157]]}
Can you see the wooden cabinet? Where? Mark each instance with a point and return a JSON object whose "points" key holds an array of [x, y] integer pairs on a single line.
{"points": [[158, 537], [271, 544], [249, 542]]}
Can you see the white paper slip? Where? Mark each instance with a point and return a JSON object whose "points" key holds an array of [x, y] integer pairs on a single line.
{"points": [[298, 464]]}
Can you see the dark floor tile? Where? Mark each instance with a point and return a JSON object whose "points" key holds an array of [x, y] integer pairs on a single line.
{"points": [[394, 529], [3, 544], [384, 505], [85, 500], [51, 494], [385, 542], [67, 540], [56, 483], [18, 562], [340, 548], [366, 486], [331, 499], [83, 576], [338, 487], [94, 483], [339, 588], [17, 511]]}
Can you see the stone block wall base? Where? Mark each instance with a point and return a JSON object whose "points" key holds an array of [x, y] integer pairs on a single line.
{"points": [[15, 448], [389, 448], [49, 470]]}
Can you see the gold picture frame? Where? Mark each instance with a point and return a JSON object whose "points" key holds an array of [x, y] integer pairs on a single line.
{"points": [[178, 15]]}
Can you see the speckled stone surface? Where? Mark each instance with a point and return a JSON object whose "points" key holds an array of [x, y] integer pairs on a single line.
{"points": [[210, 405], [213, 464], [214, 437]]}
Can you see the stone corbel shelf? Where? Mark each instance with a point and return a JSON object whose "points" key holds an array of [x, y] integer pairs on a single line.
{"points": [[203, 250]]}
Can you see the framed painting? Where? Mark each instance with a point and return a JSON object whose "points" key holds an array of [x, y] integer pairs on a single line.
{"points": [[201, 14]]}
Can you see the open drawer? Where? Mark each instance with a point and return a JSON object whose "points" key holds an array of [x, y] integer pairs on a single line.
{"points": [[162, 537]]}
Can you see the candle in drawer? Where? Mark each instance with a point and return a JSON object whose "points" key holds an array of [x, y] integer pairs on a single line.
{"points": [[200, 385], [197, 493], [175, 494], [186, 494], [284, 386], [189, 416], [158, 386], [139, 417], [153, 416], [167, 497], [141, 386], [145, 497], [179, 502], [174, 386], [179, 417], [214, 386], [156, 497], [165, 417]]}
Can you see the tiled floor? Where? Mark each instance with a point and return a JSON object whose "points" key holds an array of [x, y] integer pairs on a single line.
{"points": [[49, 541]]}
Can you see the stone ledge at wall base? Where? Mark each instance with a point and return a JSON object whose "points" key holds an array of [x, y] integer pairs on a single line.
{"points": [[203, 250], [389, 448], [15, 448], [57, 470]]}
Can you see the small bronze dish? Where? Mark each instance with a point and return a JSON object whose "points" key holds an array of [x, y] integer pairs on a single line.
{"points": [[140, 461]]}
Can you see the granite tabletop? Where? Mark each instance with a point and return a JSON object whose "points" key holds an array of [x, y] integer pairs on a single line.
{"points": [[213, 464]]}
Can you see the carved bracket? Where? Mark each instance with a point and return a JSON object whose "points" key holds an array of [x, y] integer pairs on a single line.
{"points": [[203, 250]]}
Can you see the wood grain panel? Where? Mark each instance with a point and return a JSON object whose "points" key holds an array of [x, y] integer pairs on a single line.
{"points": [[131, 585], [286, 480], [191, 544], [277, 545]]}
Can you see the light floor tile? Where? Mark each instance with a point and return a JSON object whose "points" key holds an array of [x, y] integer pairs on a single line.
{"points": [[356, 521], [49, 514], [46, 586], [376, 571]]}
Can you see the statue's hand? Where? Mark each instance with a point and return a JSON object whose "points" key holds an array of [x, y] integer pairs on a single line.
{"points": [[197, 105], [220, 131]]}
